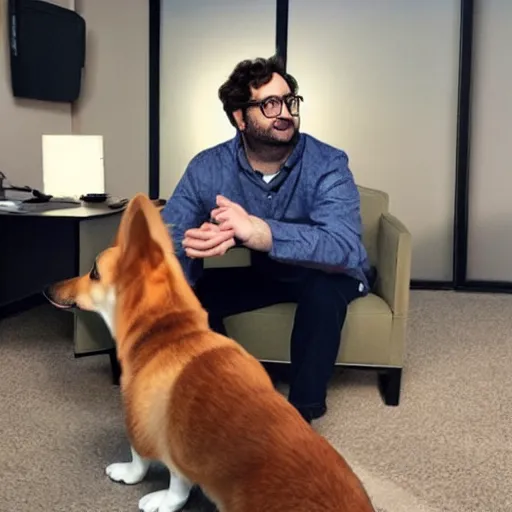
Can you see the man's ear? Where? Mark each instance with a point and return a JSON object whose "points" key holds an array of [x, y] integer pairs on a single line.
{"points": [[239, 119]]}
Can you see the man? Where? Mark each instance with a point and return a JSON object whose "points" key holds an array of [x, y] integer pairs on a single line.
{"points": [[292, 201]]}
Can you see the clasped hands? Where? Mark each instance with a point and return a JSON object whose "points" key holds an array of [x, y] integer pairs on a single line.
{"points": [[215, 239]]}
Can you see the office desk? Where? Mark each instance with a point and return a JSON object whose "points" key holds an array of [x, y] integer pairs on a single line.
{"points": [[41, 248]]}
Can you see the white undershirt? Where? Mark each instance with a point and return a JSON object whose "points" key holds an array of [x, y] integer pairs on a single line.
{"points": [[267, 178]]}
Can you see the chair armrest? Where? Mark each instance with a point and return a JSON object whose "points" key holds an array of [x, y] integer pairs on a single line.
{"points": [[394, 264], [235, 257]]}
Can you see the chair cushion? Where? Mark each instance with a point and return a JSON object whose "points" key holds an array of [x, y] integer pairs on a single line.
{"points": [[365, 337]]}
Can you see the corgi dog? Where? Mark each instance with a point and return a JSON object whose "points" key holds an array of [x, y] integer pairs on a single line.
{"points": [[195, 400]]}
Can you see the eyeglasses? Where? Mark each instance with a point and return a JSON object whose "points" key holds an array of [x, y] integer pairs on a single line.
{"points": [[273, 105]]}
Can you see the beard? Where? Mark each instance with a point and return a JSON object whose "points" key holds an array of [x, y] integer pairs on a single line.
{"points": [[282, 133]]}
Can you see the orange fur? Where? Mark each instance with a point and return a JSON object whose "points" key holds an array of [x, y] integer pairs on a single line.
{"points": [[196, 400]]}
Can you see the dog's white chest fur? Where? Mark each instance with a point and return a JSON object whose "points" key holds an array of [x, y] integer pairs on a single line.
{"points": [[105, 304]]}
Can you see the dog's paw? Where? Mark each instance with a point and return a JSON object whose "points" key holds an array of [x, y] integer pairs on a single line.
{"points": [[162, 501], [151, 502], [126, 472]]}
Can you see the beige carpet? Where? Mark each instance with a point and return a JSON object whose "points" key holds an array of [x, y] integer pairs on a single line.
{"points": [[447, 447]]}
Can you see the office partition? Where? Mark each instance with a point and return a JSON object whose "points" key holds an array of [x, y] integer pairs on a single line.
{"points": [[490, 201], [380, 80]]}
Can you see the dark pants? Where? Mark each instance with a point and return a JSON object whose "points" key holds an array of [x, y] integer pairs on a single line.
{"points": [[322, 301]]}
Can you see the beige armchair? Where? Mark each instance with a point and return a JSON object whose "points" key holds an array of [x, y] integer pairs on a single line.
{"points": [[374, 334]]}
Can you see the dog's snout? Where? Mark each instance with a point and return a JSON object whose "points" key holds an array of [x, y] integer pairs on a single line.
{"points": [[50, 296]]}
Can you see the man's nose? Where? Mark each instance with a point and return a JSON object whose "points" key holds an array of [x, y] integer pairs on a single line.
{"points": [[285, 112]]}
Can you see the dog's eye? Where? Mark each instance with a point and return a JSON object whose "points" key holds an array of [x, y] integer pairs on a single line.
{"points": [[94, 274]]}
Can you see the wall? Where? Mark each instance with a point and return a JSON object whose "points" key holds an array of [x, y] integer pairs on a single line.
{"points": [[114, 99], [23, 122]]}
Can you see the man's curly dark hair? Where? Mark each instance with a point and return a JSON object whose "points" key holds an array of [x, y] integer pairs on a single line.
{"points": [[236, 90]]}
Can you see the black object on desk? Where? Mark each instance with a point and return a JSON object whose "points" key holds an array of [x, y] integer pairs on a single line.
{"points": [[114, 203], [94, 198]]}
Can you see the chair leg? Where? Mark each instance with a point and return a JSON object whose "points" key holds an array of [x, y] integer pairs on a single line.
{"points": [[389, 385], [115, 367]]}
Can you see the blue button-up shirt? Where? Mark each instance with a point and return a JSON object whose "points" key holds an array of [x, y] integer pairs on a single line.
{"points": [[312, 206]]}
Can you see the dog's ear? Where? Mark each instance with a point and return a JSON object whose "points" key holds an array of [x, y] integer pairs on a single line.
{"points": [[135, 237]]}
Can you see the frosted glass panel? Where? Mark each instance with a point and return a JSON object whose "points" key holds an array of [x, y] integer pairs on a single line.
{"points": [[490, 213], [201, 43], [380, 80]]}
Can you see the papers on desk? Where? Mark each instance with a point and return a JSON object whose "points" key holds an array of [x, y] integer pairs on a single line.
{"points": [[73, 165], [21, 207], [10, 206]]}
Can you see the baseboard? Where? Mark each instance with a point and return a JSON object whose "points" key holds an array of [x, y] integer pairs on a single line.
{"points": [[99, 352], [478, 286], [421, 284], [22, 305]]}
